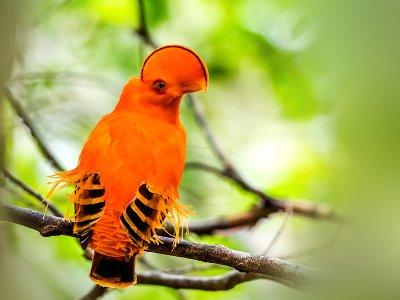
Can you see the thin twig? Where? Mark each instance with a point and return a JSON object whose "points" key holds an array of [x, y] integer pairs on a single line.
{"points": [[288, 273], [313, 250], [308, 209], [11, 191], [301, 208], [207, 227], [20, 111], [107, 84], [179, 294], [142, 30], [278, 233], [251, 217], [210, 137], [209, 283], [145, 262], [96, 292], [276, 204], [13, 179]]}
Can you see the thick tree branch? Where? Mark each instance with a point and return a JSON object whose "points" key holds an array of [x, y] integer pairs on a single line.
{"points": [[46, 225], [291, 274], [244, 262], [52, 208]]}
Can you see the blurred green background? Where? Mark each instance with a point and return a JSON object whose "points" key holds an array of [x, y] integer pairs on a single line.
{"points": [[303, 97]]}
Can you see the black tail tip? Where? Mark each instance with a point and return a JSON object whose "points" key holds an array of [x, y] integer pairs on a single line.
{"points": [[112, 272]]}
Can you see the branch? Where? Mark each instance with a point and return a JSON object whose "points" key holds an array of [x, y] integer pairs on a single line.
{"points": [[301, 208], [210, 137], [178, 281], [31, 192], [275, 268], [207, 227], [88, 252], [232, 176], [313, 250], [142, 31], [20, 111], [229, 170], [259, 211], [206, 283], [277, 234], [197, 227], [290, 274], [46, 225], [209, 283], [251, 217], [96, 292]]}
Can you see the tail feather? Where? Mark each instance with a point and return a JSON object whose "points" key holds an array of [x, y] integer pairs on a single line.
{"points": [[113, 272], [84, 239]]}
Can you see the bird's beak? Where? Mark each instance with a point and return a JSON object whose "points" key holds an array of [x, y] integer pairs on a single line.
{"points": [[195, 86]]}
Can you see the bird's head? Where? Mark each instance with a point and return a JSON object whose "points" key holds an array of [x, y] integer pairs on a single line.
{"points": [[172, 71], [167, 74]]}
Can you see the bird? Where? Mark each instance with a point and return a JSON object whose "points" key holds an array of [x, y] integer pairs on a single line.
{"points": [[127, 177]]}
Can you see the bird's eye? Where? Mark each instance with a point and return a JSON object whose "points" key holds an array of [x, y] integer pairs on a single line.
{"points": [[160, 85]]}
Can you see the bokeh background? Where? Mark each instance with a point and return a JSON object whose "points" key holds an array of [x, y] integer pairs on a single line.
{"points": [[303, 97]]}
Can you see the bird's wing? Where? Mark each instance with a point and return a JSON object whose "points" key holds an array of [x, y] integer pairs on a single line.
{"points": [[89, 206], [143, 216]]}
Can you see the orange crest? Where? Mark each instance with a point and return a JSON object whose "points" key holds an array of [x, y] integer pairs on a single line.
{"points": [[175, 61]]}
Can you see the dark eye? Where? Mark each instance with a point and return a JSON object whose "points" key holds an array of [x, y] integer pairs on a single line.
{"points": [[160, 85]]}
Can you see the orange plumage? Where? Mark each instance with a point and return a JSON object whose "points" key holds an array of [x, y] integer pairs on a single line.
{"points": [[131, 165]]}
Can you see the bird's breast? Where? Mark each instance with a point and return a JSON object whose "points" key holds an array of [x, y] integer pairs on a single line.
{"points": [[142, 150]]}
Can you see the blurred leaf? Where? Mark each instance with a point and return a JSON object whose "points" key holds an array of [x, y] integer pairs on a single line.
{"points": [[115, 12], [157, 11], [292, 86]]}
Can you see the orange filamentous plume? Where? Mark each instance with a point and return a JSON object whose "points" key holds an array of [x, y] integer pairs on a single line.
{"points": [[130, 168]]}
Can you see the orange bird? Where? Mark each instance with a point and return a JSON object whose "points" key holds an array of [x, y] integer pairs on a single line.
{"points": [[129, 170]]}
